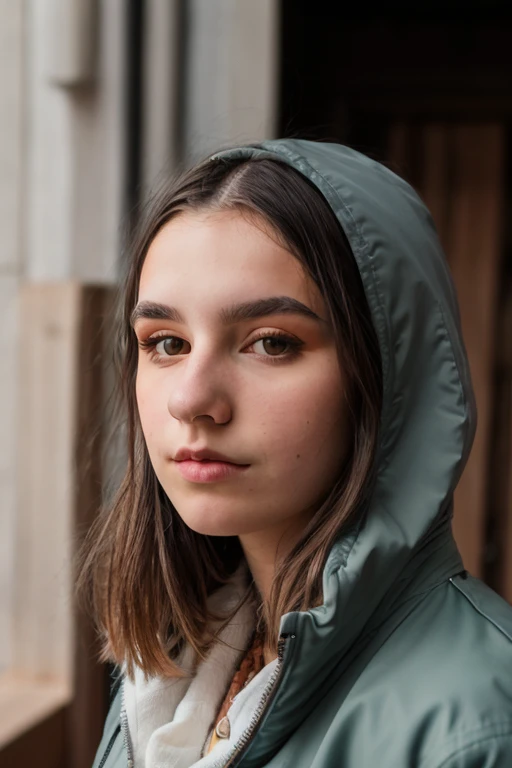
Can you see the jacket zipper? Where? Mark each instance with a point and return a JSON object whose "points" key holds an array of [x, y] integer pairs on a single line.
{"points": [[126, 733], [247, 735], [265, 701], [109, 746]]}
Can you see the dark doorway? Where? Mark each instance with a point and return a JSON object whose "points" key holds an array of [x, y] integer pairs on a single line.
{"points": [[427, 89]]}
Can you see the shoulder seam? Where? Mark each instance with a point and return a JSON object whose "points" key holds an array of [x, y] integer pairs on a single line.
{"points": [[480, 611]]}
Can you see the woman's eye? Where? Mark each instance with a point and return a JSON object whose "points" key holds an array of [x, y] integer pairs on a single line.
{"points": [[171, 345], [273, 345]]}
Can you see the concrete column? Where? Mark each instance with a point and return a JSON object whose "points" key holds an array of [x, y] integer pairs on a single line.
{"points": [[62, 167], [12, 218], [232, 73], [75, 153], [162, 50]]}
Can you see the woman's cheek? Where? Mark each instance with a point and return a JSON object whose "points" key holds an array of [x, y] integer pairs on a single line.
{"points": [[151, 402], [306, 429]]}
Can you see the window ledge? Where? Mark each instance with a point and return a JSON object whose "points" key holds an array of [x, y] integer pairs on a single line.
{"points": [[25, 701]]}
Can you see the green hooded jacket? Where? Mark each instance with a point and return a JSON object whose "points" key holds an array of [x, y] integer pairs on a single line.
{"points": [[408, 662]]}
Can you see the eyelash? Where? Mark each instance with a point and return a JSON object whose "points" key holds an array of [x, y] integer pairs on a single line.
{"points": [[294, 346]]}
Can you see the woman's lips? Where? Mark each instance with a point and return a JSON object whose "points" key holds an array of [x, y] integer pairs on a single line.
{"points": [[208, 471]]}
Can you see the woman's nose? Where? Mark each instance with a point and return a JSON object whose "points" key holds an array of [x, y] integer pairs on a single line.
{"points": [[200, 390]]}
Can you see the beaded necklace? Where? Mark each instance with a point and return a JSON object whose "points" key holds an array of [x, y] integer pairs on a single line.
{"points": [[252, 663]]}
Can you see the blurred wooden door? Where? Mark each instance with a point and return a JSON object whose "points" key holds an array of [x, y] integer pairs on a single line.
{"points": [[429, 93], [458, 169]]}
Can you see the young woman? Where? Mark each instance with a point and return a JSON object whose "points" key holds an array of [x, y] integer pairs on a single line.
{"points": [[277, 579]]}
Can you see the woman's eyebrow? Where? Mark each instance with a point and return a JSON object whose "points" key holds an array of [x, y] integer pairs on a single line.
{"points": [[236, 313]]}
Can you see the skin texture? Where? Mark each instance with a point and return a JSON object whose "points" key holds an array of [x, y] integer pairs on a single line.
{"points": [[224, 388]]}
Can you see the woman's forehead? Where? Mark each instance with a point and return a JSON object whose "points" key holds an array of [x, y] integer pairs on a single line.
{"points": [[218, 258]]}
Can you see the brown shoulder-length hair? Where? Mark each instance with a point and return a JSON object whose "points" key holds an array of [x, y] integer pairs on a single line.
{"points": [[146, 575]]}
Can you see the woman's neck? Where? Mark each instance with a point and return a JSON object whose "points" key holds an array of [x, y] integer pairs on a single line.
{"points": [[262, 564], [263, 550]]}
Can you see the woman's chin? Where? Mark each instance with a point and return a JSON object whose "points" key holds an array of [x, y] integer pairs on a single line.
{"points": [[209, 523]]}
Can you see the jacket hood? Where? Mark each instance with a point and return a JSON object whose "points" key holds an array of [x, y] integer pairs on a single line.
{"points": [[427, 425]]}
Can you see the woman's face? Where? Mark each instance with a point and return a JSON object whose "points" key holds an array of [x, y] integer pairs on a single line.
{"points": [[236, 358]]}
